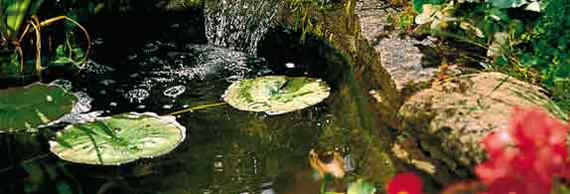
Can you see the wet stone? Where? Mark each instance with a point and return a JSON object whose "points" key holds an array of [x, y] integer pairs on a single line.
{"points": [[400, 56], [403, 61]]}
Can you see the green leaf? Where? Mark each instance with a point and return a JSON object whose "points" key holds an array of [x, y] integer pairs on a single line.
{"points": [[27, 107], [507, 3], [419, 3], [15, 14], [276, 94], [119, 139]]}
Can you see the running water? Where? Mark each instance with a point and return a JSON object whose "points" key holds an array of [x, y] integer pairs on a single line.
{"points": [[239, 24]]}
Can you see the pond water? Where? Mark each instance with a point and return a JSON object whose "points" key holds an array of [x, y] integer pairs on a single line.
{"points": [[226, 150]]}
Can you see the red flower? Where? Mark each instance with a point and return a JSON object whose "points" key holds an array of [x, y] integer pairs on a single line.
{"points": [[525, 158], [405, 183]]}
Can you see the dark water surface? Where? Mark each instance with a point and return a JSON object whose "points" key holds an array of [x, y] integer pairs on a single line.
{"points": [[226, 150]]}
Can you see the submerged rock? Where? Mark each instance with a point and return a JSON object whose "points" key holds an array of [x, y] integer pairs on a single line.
{"points": [[449, 120]]}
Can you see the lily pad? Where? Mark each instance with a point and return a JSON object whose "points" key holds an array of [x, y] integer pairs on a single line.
{"points": [[25, 108], [276, 94], [118, 139]]}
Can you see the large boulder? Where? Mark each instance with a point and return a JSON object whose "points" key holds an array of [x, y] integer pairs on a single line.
{"points": [[442, 126]]}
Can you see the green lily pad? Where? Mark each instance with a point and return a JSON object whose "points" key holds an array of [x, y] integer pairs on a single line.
{"points": [[118, 139], [276, 94], [25, 108]]}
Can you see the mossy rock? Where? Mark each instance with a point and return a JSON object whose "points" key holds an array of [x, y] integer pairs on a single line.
{"points": [[23, 109], [450, 119]]}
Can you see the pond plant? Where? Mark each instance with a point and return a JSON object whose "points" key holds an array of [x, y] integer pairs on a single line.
{"points": [[127, 137], [276, 94], [23, 109], [118, 139], [12, 15]]}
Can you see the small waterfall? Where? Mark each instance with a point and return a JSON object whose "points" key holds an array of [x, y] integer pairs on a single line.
{"points": [[239, 24]]}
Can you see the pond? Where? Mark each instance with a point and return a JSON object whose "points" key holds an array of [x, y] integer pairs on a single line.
{"points": [[169, 62]]}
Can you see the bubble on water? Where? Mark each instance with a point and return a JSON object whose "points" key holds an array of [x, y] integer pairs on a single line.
{"points": [[174, 91], [167, 106], [65, 84], [113, 104], [137, 95], [96, 68], [142, 106]]}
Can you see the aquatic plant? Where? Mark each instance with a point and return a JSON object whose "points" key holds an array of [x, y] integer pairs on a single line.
{"points": [[25, 108], [118, 139], [12, 14], [276, 94]]}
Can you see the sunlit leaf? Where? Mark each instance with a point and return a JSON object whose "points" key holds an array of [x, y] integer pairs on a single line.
{"points": [[119, 139], [276, 94]]}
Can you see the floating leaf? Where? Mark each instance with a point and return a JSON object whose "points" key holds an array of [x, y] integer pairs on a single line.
{"points": [[276, 94], [119, 139], [24, 108]]}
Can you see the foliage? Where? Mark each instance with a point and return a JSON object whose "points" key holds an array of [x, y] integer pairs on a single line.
{"points": [[23, 109], [118, 139], [418, 4], [12, 14], [302, 11], [276, 94], [549, 54], [522, 38]]}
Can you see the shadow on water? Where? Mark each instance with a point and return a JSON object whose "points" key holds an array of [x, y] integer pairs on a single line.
{"points": [[227, 150]]}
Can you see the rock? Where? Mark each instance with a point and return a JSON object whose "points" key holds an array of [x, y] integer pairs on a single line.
{"points": [[446, 122], [373, 16], [403, 60], [400, 56]]}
